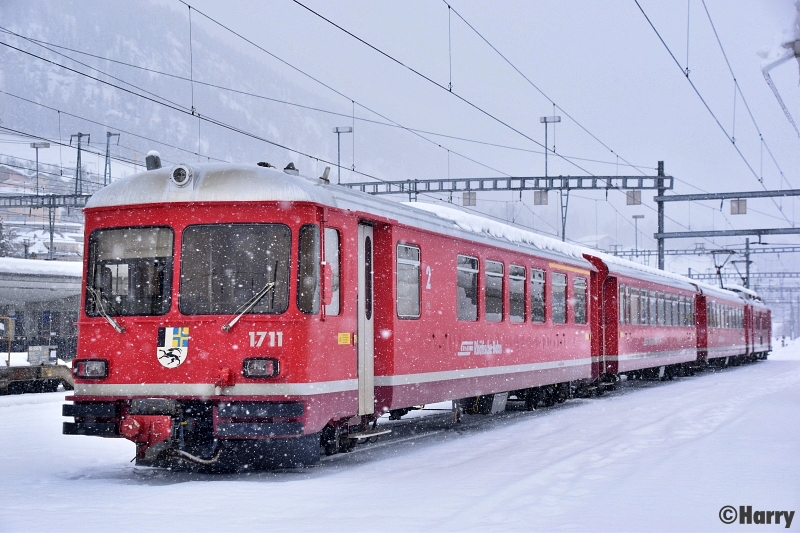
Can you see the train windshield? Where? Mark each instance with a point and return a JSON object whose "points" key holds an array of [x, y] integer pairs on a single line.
{"points": [[226, 268], [130, 272]]}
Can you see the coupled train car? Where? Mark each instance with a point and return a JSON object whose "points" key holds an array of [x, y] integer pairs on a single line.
{"points": [[242, 316]]}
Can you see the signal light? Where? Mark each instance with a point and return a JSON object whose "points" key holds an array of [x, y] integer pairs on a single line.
{"points": [[260, 368], [90, 368]]}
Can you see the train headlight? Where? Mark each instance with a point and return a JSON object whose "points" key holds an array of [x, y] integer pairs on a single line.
{"points": [[260, 368], [90, 368]]}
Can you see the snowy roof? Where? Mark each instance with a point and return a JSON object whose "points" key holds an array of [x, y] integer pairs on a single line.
{"points": [[217, 182], [481, 225], [221, 182]]}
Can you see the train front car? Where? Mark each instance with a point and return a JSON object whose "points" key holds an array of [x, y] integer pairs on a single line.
{"points": [[196, 341]]}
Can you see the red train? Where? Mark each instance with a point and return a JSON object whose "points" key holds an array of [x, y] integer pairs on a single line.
{"points": [[243, 316]]}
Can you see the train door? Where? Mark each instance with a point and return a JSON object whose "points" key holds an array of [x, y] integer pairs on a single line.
{"points": [[749, 330], [701, 323], [366, 327], [611, 306]]}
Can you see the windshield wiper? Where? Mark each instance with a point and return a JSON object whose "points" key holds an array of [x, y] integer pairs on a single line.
{"points": [[248, 305], [98, 305]]}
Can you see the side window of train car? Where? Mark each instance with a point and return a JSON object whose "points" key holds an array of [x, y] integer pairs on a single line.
{"points": [[621, 303], [559, 307], [675, 312], [407, 281], [662, 314], [333, 258], [668, 310], [687, 312], [494, 291], [467, 288], [308, 262], [579, 287], [634, 310], [516, 289], [653, 308], [627, 308], [644, 305], [537, 295]]}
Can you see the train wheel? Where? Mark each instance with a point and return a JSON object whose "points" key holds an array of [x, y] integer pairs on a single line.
{"points": [[531, 399]]}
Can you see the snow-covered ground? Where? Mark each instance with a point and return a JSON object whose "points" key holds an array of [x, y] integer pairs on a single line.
{"points": [[651, 456]]}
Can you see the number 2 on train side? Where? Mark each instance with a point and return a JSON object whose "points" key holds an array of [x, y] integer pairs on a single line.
{"points": [[257, 338]]}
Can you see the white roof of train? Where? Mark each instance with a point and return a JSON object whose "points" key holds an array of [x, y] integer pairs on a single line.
{"points": [[224, 182]]}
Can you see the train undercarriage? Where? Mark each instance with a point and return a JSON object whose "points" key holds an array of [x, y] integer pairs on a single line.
{"points": [[213, 437]]}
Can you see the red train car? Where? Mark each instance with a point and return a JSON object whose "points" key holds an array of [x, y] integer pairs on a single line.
{"points": [[648, 325], [240, 315]]}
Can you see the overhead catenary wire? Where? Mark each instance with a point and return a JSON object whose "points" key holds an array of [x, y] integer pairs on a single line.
{"points": [[313, 156], [744, 100], [327, 111], [708, 108], [437, 84], [536, 87]]}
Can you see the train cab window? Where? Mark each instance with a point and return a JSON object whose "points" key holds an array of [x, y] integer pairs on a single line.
{"points": [[579, 293], [494, 291], [467, 287], [537, 296], [308, 262], [407, 281], [227, 267], [635, 308], [333, 258], [516, 290], [130, 271], [559, 308]]}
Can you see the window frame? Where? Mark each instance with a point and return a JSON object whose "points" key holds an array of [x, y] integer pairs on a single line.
{"points": [[512, 277], [539, 275], [476, 273], [585, 282], [501, 275], [553, 285], [288, 279], [408, 262], [336, 271]]}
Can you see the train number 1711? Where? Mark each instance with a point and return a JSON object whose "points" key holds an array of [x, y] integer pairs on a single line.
{"points": [[257, 338]]}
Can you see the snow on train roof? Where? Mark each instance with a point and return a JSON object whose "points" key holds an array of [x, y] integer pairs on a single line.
{"points": [[221, 182], [226, 182], [214, 182], [478, 224]]}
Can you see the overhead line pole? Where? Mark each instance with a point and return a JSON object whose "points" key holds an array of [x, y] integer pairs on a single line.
{"points": [[661, 191]]}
